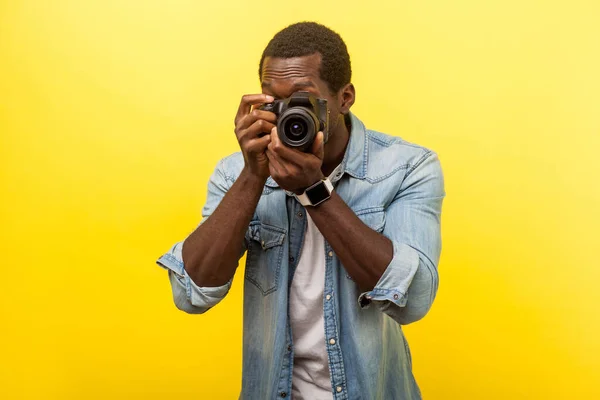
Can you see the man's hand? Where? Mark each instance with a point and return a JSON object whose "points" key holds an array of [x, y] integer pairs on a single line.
{"points": [[252, 129], [292, 169]]}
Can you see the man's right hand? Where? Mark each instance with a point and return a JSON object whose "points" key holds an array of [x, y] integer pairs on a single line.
{"points": [[211, 253], [252, 128]]}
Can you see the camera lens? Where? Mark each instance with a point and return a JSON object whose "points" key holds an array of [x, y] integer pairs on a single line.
{"points": [[297, 128]]}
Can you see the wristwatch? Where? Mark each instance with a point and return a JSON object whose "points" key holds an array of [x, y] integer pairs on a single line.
{"points": [[316, 194]]}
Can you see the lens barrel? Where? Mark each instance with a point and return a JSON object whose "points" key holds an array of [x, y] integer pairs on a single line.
{"points": [[297, 127]]}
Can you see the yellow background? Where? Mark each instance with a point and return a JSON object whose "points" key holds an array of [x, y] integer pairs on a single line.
{"points": [[114, 113]]}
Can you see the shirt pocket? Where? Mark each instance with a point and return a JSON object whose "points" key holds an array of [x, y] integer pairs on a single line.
{"points": [[265, 253], [374, 219]]}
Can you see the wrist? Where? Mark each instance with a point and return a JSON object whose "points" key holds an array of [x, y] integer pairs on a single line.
{"points": [[313, 182], [250, 179]]}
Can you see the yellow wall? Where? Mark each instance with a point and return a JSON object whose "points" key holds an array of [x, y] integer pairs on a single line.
{"points": [[114, 113]]}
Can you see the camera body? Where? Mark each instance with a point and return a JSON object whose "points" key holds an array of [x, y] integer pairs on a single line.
{"points": [[299, 118]]}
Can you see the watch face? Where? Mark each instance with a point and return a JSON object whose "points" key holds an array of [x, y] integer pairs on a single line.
{"points": [[318, 193]]}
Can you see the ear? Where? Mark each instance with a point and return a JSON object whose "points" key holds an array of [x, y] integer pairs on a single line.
{"points": [[346, 97]]}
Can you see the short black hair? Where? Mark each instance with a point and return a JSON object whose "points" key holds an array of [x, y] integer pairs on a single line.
{"points": [[307, 38]]}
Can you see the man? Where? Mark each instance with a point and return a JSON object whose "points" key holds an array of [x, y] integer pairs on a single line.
{"points": [[327, 286]]}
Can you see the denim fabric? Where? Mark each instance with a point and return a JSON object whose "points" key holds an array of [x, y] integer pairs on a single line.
{"points": [[394, 187]]}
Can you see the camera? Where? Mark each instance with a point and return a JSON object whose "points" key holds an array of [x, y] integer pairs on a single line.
{"points": [[299, 118]]}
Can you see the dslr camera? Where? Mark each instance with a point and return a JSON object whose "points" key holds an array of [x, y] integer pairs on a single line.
{"points": [[299, 118]]}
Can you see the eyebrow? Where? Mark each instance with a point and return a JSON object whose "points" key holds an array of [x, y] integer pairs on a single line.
{"points": [[297, 85]]}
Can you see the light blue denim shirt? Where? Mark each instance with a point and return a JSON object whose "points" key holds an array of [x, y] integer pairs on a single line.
{"points": [[395, 188]]}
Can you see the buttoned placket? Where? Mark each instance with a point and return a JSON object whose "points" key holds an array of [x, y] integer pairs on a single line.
{"points": [[297, 227], [334, 351]]}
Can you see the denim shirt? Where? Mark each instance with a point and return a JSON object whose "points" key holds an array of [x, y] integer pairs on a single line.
{"points": [[394, 187]]}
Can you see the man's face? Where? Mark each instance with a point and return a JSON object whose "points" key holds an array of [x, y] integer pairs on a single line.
{"points": [[283, 76]]}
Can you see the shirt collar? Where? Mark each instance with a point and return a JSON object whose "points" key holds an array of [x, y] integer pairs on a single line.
{"points": [[355, 158]]}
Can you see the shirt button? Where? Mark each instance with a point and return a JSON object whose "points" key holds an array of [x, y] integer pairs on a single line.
{"points": [[262, 244], [328, 297], [289, 347], [283, 394], [338, 389], [331, 341], [330, 254], [395, 297], [291, 259], [299, 214]]}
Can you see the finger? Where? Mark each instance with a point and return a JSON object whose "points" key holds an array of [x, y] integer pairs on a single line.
{"points": [[275, 137], [318, 147], [274, 167], [258, 145], [284, 152], [276, 162], [255, 130], [254, 116], [248, 100]]}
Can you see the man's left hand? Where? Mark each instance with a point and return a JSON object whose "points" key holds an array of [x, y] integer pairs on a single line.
{"points": [[292, 169]]}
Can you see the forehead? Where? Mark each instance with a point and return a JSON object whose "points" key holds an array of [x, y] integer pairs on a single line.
{"points": [[302, 71]]}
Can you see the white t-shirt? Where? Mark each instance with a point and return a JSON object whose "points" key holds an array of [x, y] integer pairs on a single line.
{"points": [[310, 375]]}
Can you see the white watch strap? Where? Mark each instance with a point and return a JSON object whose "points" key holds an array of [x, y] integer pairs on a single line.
{"points": [[303, 198], [328, 185]]}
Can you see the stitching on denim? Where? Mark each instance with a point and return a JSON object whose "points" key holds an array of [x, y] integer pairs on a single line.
{"points": [[222, 171], [381, 178], [369, 210], [267, 191], [409, 144], [278, 232], [278, 269], [365, 156], [171, 258], [281, 233], [374, 138], [381, 292], [188, 288], [419, 162], [336, 332], [299, 252]]}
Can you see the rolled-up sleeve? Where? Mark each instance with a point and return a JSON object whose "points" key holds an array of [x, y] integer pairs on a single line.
{"points": [[408, 286], [188, 296]]}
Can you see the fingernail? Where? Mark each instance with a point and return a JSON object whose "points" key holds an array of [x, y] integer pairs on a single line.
{"points": [[269, 98]]}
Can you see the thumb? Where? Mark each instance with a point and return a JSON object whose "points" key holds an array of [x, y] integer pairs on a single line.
{"points": [[318, 148]]}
